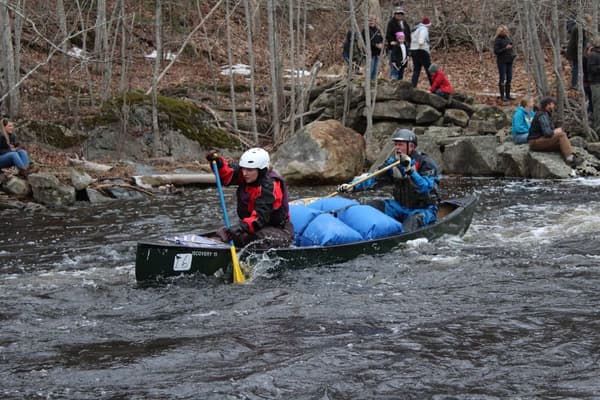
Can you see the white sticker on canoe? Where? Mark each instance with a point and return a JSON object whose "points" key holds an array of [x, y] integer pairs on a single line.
{"points": [[183, 262]]}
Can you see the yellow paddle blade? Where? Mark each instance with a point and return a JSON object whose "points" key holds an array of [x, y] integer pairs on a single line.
{"points": [[238, 276]]}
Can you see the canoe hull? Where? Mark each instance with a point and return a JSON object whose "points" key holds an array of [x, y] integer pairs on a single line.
{"points": [[163, 258]]}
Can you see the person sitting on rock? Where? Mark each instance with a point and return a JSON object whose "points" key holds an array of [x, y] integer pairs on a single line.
{"points": [[12, 154], [521, 121], [544, 137], [416, 183], [439, 82]]}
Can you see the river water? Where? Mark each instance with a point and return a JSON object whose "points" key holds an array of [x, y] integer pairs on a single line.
{"points": [[509, 311]]}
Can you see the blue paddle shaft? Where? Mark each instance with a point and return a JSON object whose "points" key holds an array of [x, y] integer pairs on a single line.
{"points": [[221, 195]]}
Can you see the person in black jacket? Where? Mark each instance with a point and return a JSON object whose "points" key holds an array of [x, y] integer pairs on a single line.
{"points": [[593, 72], [376, 42], [573, 48], [505, 55], [544, 137], [396, 24], [262, 201]]}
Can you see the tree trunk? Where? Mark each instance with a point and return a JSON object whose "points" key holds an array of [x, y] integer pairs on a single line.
{"points": [[274, 67], [250, 46], [7, 74], [295, 74], [230, 61], [101, 37], [159, 51]]}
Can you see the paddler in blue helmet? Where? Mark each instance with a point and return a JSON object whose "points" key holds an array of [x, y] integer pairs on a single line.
{"points": [[262, 200], [416, 183]]}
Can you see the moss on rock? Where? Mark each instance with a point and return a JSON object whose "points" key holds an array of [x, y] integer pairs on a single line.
{"points": [[175, 114]]}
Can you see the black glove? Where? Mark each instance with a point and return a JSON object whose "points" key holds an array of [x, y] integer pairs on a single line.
{"points": [[213, 155], [345, 188], [404, 161], [236, 230]]}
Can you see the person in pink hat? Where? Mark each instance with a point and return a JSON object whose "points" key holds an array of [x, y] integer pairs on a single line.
{"points": [[419, 51], [396, 24], [399, 57]]}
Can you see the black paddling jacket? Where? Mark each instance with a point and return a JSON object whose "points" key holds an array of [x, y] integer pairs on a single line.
{"points": [[261, 203]]}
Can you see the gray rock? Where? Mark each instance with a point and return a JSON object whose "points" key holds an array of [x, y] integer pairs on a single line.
{"points": [[394, 109], [95, 196], [426, 114], [79, 179], [423, 97], [456, 117], [48, 190], [472, 156], [17, 187], [322, 152]]}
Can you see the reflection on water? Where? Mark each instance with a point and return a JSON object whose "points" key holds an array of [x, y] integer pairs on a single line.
{"points": [[508, 311]]}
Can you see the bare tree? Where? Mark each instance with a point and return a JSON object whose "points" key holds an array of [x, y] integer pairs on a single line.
{"points": [[252, 62], [101, 34], [8, 78], [155, 76], [230, 62], [295, 72], [275, 69]]}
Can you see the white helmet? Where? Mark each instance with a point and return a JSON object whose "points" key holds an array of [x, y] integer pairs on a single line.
{"points": [[255, 158]]}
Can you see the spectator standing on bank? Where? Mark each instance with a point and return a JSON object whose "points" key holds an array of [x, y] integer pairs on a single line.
{"points": [[400, 55], [573, 49], [419, 51], [593, 69], [376, 42], [351, 46], [396, 24], [505, 56]]}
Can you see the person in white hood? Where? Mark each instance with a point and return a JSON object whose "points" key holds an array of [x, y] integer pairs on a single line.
{"points": [[419, 51]]}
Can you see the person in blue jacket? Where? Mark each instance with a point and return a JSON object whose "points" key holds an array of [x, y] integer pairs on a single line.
{"points": [[416, 183], [521, 121]]}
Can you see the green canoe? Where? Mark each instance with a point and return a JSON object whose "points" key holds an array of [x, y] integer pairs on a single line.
{"points": [[191, 254]]}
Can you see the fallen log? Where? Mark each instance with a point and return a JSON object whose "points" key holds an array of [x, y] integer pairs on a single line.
{"points": [[89, 165], [150, 181]]}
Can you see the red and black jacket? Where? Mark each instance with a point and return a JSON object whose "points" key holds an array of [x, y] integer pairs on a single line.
{"points": [[261, 203]]}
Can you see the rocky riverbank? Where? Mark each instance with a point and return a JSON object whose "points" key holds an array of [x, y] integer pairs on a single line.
{"points": [[464, 137]]}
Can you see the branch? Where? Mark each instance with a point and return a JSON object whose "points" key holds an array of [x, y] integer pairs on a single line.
{"points": [[185, 42]]}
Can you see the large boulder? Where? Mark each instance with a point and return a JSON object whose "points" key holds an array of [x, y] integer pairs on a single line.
{"points": [[473, 155], [48, 190], [50, 133], [323, 152]]}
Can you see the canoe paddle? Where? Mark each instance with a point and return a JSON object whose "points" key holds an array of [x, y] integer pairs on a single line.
{"points": [[238, 276], [351, 184]]}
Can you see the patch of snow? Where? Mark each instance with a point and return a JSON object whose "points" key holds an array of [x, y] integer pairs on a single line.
{"points": [[237, 69], [166, 56]]}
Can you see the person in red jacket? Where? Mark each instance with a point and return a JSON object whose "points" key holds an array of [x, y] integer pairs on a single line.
{"points": [[439, 81], [262, 201]]}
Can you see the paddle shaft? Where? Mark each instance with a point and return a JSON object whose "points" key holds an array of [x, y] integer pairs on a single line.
{"points": [[238, 276], [369, 176]]}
